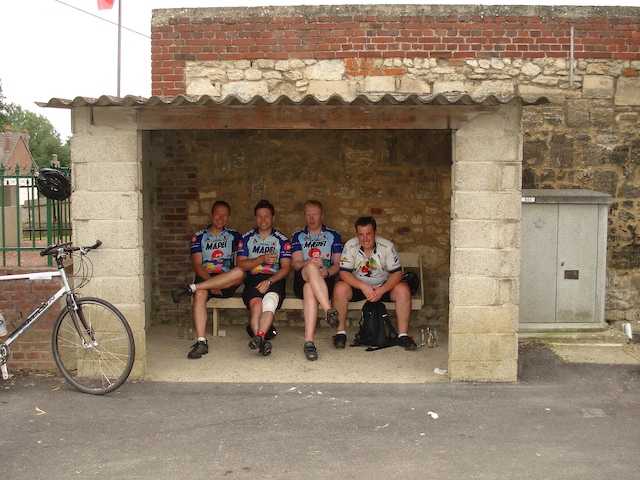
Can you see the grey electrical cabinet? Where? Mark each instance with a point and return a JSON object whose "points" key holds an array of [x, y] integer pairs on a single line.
{"points": [[563, 259]]}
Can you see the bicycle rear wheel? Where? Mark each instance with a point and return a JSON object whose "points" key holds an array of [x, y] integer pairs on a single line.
{"points": [[93, 347]]}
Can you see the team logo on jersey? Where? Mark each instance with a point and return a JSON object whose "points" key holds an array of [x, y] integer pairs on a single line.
{"points": [[194, 239], [314, 253], [367, 268], [314, 243], [217, 254], [287, 246]]}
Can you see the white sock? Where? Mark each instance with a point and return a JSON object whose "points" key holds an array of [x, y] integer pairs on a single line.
{"points": [[402, 335], [192, 287], [343, 332], [202, 339]]}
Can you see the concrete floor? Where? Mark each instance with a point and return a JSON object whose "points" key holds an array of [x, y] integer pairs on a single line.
{"points": [[230, 360], [562, 421]]}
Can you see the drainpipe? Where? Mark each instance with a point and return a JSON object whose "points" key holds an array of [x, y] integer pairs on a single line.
{"points": [[571, 60]]}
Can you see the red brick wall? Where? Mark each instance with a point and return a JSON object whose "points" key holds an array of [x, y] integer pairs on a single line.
{"points": [[454, 36], [33, 349]]}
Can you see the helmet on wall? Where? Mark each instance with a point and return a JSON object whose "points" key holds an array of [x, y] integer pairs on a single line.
{"points": [[53, 184]]}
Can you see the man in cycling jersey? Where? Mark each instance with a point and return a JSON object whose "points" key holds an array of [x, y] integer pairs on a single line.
{"points": [[213, 251], [370, 269], [315, 257], [265, 256]]}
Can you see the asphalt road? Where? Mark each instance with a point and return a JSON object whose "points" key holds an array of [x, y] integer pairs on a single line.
{"points": [[559, 422]]}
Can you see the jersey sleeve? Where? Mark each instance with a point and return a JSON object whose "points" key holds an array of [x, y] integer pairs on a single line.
{"points": [[296, 246], [243, 246], [336, 246], [393, 260], [196, 244], [237, 242], [285, 248], [347, 260]]}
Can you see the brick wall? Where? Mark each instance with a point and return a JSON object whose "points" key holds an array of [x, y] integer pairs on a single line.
{"points": [[402, 178], [360, 32], [18, 299]]}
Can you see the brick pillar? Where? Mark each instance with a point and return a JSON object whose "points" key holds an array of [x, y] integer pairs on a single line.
{"points": [[107, 205], [485, 248]]}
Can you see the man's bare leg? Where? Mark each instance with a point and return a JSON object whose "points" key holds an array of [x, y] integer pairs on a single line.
{"points": [[266, 319], [342, 293], [199, 309], [311, 275], [222, 280], [310, 312], [401, 296], [255, 311]]}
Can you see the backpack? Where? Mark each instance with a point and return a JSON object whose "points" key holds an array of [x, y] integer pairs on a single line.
{"points": [[376, 330]]}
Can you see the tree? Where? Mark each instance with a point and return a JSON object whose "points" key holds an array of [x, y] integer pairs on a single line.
{"points": [[3, 109], [44, 140]]}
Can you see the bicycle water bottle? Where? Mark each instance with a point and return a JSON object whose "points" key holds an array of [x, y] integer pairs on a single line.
{"points": [[3, 326]]}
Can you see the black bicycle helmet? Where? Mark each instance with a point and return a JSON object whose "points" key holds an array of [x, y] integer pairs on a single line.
{"points": [[53, 184]]}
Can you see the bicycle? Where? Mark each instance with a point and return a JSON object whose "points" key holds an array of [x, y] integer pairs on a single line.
{"points": [[92, 343]]}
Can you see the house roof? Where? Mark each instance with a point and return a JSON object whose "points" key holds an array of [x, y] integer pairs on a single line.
{"points": [[9, 141], [449, 98]]}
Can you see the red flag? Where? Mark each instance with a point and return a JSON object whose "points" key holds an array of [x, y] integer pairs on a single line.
{"points": [[105, 4]]}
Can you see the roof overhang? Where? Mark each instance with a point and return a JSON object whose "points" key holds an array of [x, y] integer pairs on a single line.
{"points": [[441, 111]]}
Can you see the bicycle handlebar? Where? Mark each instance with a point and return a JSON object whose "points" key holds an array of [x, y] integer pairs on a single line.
{"points": [[67, 248]]}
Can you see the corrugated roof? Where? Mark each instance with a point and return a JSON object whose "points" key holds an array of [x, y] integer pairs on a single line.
{"points": [[449, 98]]}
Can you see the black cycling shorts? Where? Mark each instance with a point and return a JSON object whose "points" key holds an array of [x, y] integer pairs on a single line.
{"points": [[250, 290]]}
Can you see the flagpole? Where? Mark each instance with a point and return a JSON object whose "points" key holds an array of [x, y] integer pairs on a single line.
{"points": [[119, 41]]}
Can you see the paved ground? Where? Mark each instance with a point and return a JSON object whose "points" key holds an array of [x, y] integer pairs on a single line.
{"points": [[229, 360], [561, 421]]}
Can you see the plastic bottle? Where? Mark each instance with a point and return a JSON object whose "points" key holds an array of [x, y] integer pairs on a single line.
{"points": [[3, 326]]}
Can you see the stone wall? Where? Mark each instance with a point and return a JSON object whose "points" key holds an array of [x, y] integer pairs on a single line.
{"points": [[403, 178]]}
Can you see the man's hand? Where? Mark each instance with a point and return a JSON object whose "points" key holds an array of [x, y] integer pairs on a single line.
{"points": [[324, 273], [369, 292], [263, 286], [377, 295]]}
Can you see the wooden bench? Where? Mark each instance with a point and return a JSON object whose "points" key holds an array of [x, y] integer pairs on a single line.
{"points": [[409, 261]]}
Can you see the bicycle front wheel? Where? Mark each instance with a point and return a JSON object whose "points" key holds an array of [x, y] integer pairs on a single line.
{"points": [[93, 347]]}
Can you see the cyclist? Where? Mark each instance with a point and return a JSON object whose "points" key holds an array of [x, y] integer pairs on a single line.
{"points": [[315, 257], [213, 251], [265, 255], [370, 269]]}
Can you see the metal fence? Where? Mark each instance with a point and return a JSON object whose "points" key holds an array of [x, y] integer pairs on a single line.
{"points": [[29, 221]]}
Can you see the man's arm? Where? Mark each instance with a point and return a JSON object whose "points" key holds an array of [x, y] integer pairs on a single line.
{"points": [[350, 278], [198, 268], [247, 264], [394, 279], [297, 260], [335, 264], [285, 267]]}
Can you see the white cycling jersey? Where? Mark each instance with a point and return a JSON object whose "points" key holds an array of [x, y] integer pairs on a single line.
{"points": [[374, 269]]}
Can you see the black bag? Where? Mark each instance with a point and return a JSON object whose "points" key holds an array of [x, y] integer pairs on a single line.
{"points": [[413, 280], [376, 330]]}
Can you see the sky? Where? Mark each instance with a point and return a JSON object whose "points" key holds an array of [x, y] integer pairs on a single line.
{"points": [[52, 50]]}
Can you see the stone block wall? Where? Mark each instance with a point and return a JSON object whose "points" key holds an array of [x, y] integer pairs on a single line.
{"points": [[403, 178], [107, 205], [587, 138]]}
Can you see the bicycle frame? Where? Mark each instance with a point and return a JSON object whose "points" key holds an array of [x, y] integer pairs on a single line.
{"points": [[38, 312]]}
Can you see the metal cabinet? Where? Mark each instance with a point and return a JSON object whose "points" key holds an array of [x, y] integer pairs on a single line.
{"points": [[563, 259]]}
